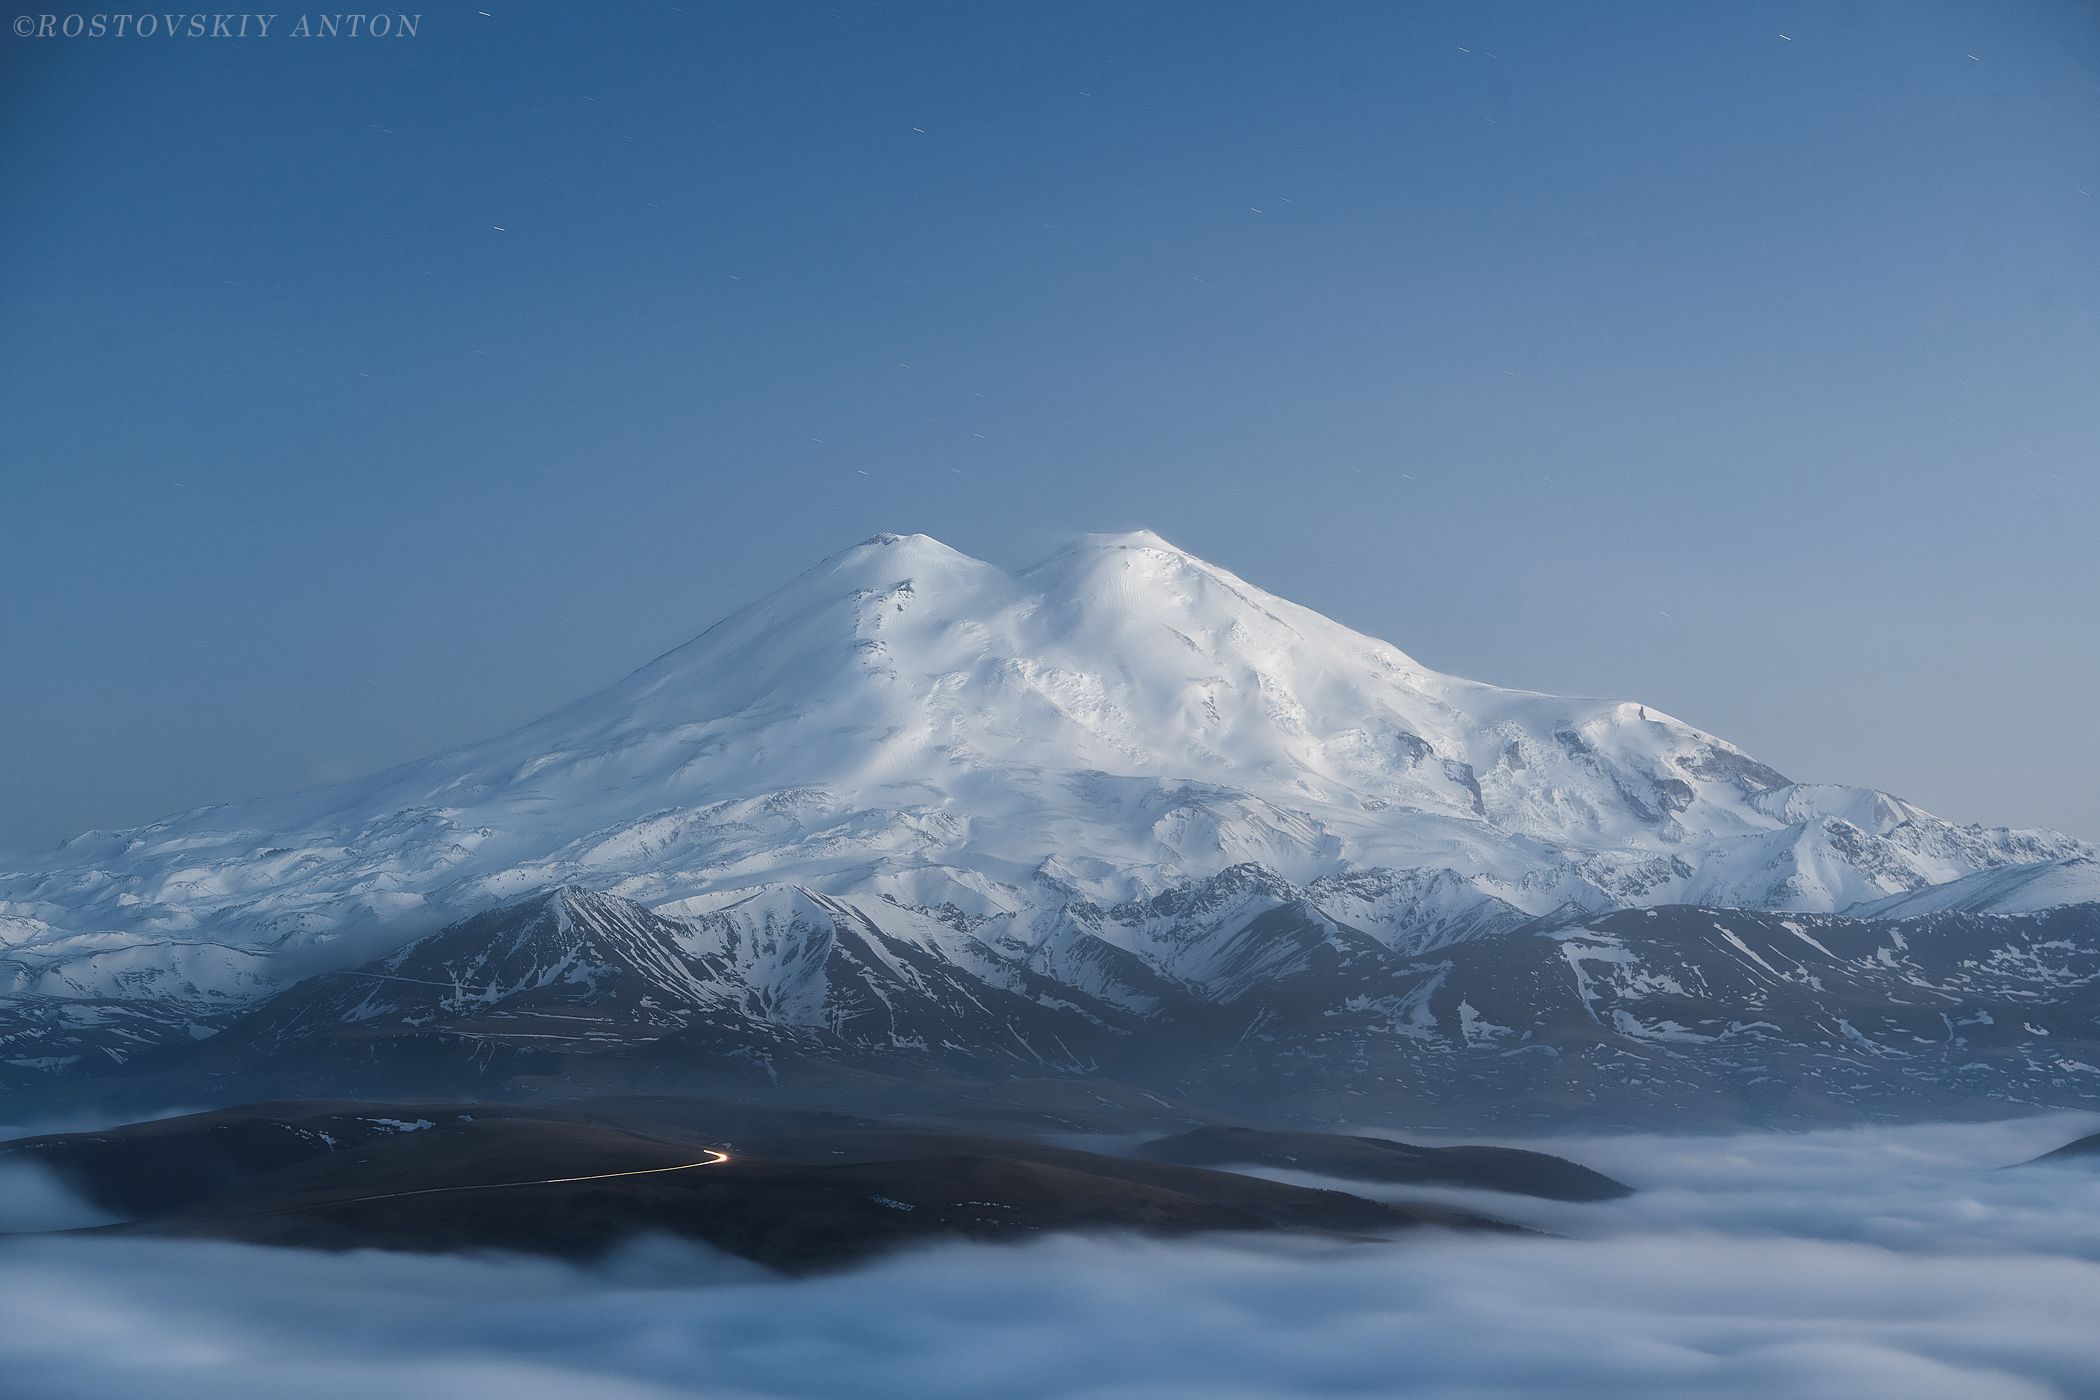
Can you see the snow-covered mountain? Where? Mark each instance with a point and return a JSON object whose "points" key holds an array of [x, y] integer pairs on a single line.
{"points": [[1105, 773]]}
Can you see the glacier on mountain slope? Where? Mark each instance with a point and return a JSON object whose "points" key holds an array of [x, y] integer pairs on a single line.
{"points": [[1026, 756]]}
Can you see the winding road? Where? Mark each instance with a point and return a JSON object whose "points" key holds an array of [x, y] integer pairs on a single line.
{"points": [[714, 1158]]}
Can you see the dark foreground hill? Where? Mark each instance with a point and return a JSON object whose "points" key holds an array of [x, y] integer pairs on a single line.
{"points": [[793, 1190], [2083, 1151], [1384, 1160]]}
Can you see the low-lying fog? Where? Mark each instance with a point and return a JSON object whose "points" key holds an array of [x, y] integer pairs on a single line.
{"points": [[1887, 1262]]}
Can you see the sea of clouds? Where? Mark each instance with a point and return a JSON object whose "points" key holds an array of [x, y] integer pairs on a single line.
{"points": [[1899, 1263]]}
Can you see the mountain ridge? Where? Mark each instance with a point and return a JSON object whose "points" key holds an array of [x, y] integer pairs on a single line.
{"points": [[1634, 1016]]}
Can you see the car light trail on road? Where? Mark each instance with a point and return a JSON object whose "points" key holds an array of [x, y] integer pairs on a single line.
{"points": [[714, 1158]]}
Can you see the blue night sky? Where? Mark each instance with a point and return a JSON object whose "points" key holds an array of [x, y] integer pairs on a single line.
{"points": [[364, 397]]}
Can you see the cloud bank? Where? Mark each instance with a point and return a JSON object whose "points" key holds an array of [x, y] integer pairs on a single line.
{"points": [[1889, 1263]]}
